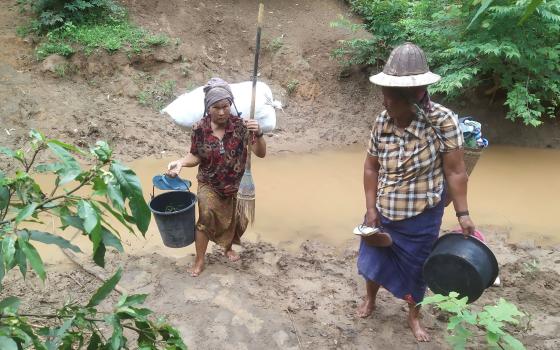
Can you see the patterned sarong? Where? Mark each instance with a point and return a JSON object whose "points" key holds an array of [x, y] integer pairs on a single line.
{"points": [[217, 217]]}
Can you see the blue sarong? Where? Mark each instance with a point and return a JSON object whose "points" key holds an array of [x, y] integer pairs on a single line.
{"points": [[398, 268]]}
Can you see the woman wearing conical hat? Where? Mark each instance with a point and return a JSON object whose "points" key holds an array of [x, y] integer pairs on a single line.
{"points": [[414, 148]]}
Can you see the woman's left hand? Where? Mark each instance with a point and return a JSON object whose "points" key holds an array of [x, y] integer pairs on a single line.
{"points": [[252, 125], [467, 226]]}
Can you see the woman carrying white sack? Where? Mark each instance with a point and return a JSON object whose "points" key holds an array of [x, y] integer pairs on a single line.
{"points": [[219, 148], [187, 109]]}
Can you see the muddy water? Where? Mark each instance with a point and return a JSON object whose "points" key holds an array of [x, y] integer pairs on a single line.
{"points": [[320, 196]]}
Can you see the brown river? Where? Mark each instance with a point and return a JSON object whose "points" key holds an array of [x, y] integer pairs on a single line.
{"points": [[320, 196]]}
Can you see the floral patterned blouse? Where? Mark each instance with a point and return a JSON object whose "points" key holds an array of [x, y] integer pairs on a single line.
{"points": [[222, 162]]}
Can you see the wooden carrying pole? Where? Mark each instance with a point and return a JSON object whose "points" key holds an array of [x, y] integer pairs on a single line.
{"points": [[246, 193]]}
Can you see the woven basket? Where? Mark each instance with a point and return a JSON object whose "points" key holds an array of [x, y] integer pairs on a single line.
{"points": [[471, 156]]}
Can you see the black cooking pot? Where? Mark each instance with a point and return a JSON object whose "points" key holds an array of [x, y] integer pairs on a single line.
{"points": [[461, 264]]}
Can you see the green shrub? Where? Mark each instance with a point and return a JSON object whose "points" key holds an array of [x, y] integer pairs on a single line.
{"points": [[68, 26], [157, 40], [63, 69], [275, 44], [292, 86], [89, 37], [382, 19], [473, 46], [87, 189], [465, 323], [51, 14], [157, 95], [53, 48]]}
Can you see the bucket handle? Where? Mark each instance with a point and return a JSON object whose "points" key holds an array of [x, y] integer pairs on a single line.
{"points": [[152, 195]]}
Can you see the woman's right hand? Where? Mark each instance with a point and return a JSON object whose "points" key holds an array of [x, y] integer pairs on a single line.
{"points": [[174, 168], [371, 219]]}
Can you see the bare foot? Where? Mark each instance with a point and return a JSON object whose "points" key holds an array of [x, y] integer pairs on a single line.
{"points": [[366, 308], [197, 268], [414, 323], [232, 255]]}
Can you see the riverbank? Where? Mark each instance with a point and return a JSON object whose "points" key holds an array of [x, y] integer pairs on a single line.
{"points": [[304, 299]]}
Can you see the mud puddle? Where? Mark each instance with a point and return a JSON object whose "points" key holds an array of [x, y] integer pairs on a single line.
{"points": [[319, 196]]}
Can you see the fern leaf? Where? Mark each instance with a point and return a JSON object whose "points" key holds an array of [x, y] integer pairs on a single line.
{"points": [[529, 10], [481, 9]]}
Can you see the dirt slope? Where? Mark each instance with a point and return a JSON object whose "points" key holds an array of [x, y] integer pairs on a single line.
{"points": [[210, 38]]}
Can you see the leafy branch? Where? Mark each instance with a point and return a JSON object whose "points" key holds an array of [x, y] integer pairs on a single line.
{"points": [[491, 321], [112, 185], [75, 323], [112, 194], [512, 45]]}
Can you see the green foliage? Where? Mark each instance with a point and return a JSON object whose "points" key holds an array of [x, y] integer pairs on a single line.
{"points": [[530, 9], [48, 48], [111, 189], [68, 26], [292, 86], [78, 325], [464, 322], [61, 70], [382, 19], [275, 44], [116, 192], [157, 40], [52, 14], [490, 45], [90, 37], [157, 95]]}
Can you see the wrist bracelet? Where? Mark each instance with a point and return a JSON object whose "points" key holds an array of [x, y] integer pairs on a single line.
{"points": [[462, 213], [259, 135]]}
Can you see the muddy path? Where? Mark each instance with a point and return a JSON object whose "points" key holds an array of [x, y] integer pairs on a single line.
{"points": [[305, 300]]}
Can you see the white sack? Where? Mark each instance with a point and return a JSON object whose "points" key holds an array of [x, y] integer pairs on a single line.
{"points": [[188, 108]]}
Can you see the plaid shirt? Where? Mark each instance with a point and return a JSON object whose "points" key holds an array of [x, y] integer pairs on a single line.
{"points": [[411, 168]]}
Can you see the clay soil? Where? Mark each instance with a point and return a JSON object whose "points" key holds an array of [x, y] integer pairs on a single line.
{"points": [[272, 299]]}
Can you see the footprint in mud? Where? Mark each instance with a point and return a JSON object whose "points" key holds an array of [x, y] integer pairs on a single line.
{"points": [[241, 316]]}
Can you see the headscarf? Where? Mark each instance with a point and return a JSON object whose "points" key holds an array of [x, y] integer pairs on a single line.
{"points": [[216, 90]]}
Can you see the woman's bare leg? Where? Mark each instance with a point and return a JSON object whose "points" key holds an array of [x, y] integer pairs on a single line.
{"points": [[240, 227], [366, 308], [201, 244], [414, 323]]}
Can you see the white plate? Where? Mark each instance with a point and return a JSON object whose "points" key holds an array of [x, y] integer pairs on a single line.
{"points": [[362, 230]]}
